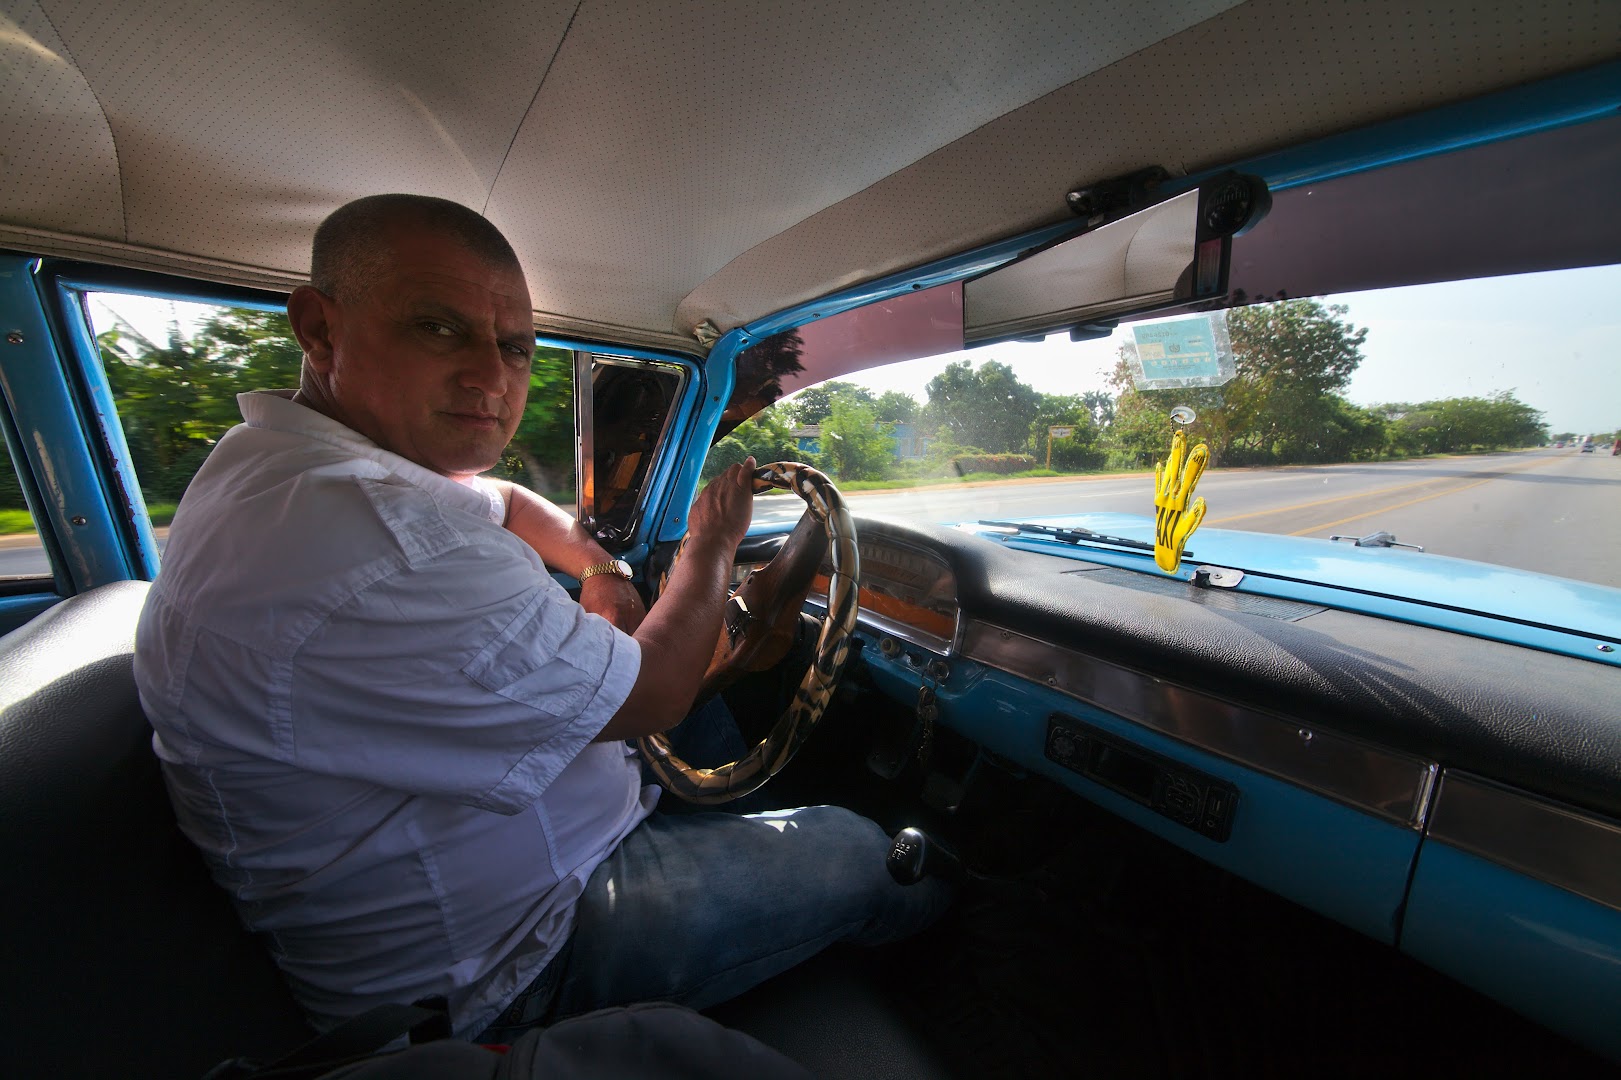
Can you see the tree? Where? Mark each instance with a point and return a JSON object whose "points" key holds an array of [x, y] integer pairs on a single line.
{"points": [[812, 405], [987, 407], [1140, 432], [1456, 424], [854, 447], [541, 454], [1080, 450], [1101, 405], [896, 407], [1293, 359], [766, 436], [176, 399]]}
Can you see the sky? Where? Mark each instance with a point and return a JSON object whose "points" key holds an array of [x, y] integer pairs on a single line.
{"points": [[1553, 338]]}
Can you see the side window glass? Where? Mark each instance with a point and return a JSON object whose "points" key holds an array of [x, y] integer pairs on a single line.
{"points": [[632, 402], [541, 454], [175, 369], [22, 554]]}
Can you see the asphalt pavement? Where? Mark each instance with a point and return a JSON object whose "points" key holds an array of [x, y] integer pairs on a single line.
{"points": [[1553, 511]]}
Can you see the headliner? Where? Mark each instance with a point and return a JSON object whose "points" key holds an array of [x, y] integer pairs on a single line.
{"points": [[661, 163]]}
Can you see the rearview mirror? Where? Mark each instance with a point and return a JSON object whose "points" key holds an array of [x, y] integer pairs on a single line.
{"points": [[1172, 253]]}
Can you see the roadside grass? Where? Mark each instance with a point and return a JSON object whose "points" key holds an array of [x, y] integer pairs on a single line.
{"points": [[946, 481], [20, 521]]}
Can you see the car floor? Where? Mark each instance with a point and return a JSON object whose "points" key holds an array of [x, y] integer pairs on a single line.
{"points": [[1092, 948]]}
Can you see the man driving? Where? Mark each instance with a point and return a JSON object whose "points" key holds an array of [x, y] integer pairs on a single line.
{"points": [[399, 744]]}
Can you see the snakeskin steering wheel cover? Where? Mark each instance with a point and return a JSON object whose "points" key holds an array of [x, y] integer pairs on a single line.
{"points": [[737, 779]]}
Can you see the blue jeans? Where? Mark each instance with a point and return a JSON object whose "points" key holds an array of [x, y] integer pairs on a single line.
{"points": [[696, 908]]}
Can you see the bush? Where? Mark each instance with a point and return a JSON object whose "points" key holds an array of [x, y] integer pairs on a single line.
{"points": [[1000, 464]]}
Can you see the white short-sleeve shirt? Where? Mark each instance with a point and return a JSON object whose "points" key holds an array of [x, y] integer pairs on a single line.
{"points": [[375, 708]]}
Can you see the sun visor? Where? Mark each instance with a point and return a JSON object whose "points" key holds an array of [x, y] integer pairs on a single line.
{"points": [[1132, 264]]}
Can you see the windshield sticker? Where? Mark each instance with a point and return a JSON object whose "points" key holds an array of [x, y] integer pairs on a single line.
{"points": [[1175, 353]]}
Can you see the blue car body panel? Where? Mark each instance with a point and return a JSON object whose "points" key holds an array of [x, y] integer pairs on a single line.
{"points": [[1526, 608], [1335, 860], [1549, 953]]}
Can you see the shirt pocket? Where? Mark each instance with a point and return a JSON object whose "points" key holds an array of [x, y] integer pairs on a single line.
{"points": [[552, 656]]}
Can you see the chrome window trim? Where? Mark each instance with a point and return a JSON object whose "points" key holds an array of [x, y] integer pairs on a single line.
{"points": [[1532, 835], [1386, 783], [585, 468], [584, 366]]}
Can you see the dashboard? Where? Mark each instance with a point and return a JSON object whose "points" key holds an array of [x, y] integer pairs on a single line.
{"points": [[1430, 790]]}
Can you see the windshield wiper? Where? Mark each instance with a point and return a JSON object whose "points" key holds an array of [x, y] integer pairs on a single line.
{"points": [[1074, 534]]}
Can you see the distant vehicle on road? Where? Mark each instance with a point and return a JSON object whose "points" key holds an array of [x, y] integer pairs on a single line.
{"points": [[1587, 448]]}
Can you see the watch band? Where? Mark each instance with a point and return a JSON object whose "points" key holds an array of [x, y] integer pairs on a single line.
{"points": [[616, 567]]}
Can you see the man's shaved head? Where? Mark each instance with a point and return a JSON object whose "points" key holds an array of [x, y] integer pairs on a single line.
{"points": [[352, 246]]}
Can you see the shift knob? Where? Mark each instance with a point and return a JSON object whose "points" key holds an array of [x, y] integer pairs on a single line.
{"points": [[914, 855]]}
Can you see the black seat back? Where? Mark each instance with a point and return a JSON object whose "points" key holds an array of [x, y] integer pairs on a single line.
{"points": [[122, 957]]}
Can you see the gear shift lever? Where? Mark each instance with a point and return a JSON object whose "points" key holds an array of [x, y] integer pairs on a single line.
{"points": [[915, 855]]}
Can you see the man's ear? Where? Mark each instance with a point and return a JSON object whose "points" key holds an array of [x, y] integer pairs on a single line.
{"points": [[309, 312]]}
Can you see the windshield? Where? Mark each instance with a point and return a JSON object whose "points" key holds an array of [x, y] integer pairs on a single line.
{"points": [[1449, 416]]}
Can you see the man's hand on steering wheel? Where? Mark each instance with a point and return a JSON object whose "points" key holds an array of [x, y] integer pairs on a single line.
{"points": [[721, 513], [764, 616]]}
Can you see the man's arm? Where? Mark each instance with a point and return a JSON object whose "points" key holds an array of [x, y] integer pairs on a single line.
{"points": [[678, 636], [564, 545]]}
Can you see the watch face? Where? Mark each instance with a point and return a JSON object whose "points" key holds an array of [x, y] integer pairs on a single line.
{"points": [[622, 568]]}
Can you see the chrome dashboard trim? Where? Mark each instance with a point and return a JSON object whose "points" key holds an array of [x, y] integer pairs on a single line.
{"points": [[1386, 783], [880, 624], [1553, 843]]}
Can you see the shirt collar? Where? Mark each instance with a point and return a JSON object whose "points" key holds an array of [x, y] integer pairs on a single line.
{"points": [[275, 410]]}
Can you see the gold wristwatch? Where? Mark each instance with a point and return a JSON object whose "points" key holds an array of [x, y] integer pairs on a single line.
{"points": [[616, 567]]}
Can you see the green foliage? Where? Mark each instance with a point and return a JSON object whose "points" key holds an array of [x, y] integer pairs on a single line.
{"points": [[1461, 424], [15, 521], [1285, 404], [896, 407], [175, 400], [854, 447], [993, 464], [541, 454], [1101, 404], [814, 404], [1293, 358], [765, 435], [986, 406], [1079, 451]]}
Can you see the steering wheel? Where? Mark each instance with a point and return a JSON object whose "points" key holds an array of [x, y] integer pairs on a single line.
{"points": [[762, 617]]}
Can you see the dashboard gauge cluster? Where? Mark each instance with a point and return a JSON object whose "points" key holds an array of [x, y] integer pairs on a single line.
{"points": [[904, 590]]}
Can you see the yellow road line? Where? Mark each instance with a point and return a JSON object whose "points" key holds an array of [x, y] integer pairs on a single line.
{"points": [[1397, 506], [1365, 495], [1320, 502]]}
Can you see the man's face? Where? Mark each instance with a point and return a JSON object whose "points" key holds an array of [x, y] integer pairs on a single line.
{"points": [[432, 359]]}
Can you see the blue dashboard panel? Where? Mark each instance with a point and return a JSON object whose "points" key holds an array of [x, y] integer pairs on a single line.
{"points": [[1331, 858], [1551, 954]]}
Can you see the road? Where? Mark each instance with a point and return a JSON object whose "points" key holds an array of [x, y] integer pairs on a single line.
{"points": [[1555, 511]]}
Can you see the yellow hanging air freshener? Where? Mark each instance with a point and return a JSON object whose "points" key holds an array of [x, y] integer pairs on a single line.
{"points": [[1174, 520]]}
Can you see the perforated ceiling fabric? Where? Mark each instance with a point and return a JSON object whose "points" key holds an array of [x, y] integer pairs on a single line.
{"points": [[58, 164], [686, 133], [1262, 76], [662, 162], [240, 125]]}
